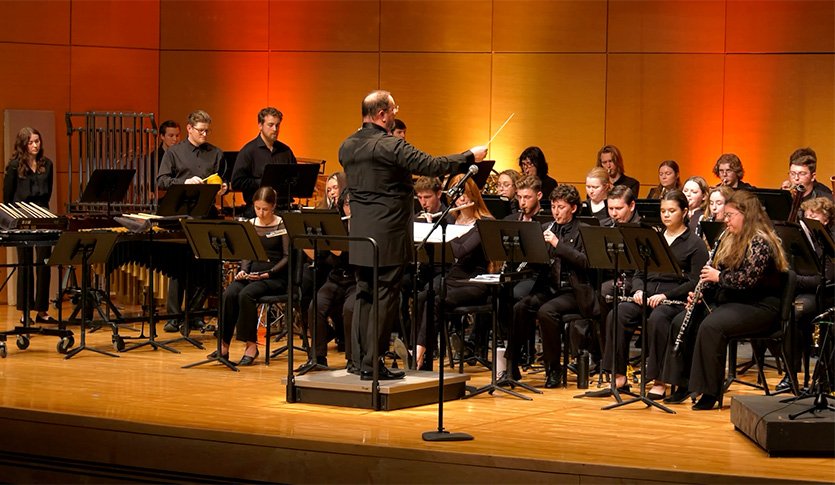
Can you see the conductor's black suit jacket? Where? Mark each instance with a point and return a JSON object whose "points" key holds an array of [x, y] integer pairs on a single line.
{"points": [[379, 170]]}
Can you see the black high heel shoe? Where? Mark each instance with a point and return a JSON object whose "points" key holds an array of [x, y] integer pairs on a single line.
{"points": [[706, 403], [247, 360]]}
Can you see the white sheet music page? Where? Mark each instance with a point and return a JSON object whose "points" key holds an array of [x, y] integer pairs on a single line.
{"points": [[453, 231]]}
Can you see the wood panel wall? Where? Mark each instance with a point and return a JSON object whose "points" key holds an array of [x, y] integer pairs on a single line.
{"points": [[683, 80]]}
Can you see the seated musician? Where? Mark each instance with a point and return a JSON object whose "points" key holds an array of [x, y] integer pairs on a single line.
{"points": [[469, 263], [743, 286], [691, 255], [668, 179], [506, 187], [532, 163], [610, 158], [528, 194], [558, 287], [256, 279], [331, 297], [696, 190], [334, 186], [803, 164], [597, 190], [28, 178], [716, 202], [191, 161], [728, 168]]}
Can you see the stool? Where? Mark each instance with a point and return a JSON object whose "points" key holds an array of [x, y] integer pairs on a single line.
{"points": [[269, 303], [462, 312]]}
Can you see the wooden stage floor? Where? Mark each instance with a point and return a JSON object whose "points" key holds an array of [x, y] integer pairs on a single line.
{"points": [[141, 417]]}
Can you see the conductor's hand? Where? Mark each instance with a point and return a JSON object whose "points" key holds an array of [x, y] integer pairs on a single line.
{"points": [[194, 180], [480, 152]]}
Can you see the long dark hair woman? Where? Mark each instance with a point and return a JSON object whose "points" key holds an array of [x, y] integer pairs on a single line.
{"points": [[256, 279], [743, 285], [29, 179]]}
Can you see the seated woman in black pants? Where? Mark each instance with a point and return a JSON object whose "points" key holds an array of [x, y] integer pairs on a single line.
{"points": [[256, 279], [690, 253], [469, 262], [743, 285]]}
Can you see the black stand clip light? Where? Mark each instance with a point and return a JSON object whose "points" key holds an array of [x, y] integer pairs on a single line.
{"points": [[222, 241]]}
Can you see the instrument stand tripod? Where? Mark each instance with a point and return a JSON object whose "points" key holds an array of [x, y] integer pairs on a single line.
{"points": [[820, 375], [222, 241], [513, 242], [606, 250], [650, 247], [75, 248]]}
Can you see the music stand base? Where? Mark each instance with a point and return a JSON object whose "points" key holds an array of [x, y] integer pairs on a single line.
{"points": [[184, 338], [446, 436], [76, 350], [641, 399], [513, 383], [310, 365], [154, 345], [491, 388], [821, 404], [220, 360]]}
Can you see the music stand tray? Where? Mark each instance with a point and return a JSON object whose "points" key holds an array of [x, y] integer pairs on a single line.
{"points": [[222, 241], [192, 200], [85, 249]]}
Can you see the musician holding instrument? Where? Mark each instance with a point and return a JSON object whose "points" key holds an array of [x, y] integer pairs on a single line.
{"points": [[728, 168], [743, 286], [259, 152], [256, 279], [470, 262], [696, 190], [28, 178], [610, 158], [664, 296], [506, 187], [668, 179], [803, 173], [192, 161], [717, 196]]}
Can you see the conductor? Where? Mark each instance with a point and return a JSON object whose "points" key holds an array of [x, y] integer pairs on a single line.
{"points": [[379, 169]]}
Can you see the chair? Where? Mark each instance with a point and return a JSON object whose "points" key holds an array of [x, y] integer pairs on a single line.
{"points": [[274, 305], [456, 318], [786, 319]]}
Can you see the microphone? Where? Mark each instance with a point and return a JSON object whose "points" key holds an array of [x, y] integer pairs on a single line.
{"points": [[458, 189]]}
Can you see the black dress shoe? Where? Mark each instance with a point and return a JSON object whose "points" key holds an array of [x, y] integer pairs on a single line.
{"points": [[247, 360], [46, 319], [706, 403], [656, 397], [352, 369], [784, 385], [385, 374], [552, 379], [679, 396], [319, 360], [171, 326]]}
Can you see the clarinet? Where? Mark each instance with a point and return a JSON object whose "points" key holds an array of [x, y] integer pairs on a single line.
{"points": [[631, 299], [697, 297]]}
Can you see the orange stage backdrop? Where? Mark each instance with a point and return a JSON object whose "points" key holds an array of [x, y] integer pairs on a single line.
{"points": [[685, 80]]}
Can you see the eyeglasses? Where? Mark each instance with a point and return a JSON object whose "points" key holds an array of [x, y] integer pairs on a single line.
{"points": [[204, 131], [799, 174], [731, 214]]}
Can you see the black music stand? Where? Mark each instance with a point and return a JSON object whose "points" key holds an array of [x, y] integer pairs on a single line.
{"points": [[84, 248], [711, 230], [499, 207], [776, 202], [291, 180], [821, 236], [606, 250], [650, 211], [108, 186], [222, 241], [317, 224], [514, 242], [648, 246]]}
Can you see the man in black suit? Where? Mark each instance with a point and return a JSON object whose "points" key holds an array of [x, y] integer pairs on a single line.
{"points": [[379, 169]]}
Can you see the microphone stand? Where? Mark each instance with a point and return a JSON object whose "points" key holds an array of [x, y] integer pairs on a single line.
{"points": [[441, 434]]}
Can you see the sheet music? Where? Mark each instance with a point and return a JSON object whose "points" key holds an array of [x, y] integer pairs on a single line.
{"points": [[453, 231]]}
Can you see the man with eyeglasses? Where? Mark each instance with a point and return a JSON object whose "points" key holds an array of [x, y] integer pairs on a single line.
{"points": [[379, 168], [803, 164], [729, 170], [189, 162], [265, 149]]}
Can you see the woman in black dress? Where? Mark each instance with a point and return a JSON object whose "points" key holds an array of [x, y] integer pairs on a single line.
{"points": [[29, 179], [256, 279]]}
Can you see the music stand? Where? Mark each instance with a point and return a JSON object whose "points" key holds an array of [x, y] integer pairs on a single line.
{"points": [[513, 242], [650, 247], [711, 230], [108, 186], [776, 202], [180, 201], [222, 241], [290, 180], [86, 249], [821, 235], [650, 210], [318, 224], [499, 207], [606, 250]]}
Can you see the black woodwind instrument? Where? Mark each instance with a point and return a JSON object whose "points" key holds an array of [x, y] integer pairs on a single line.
{"points": [[631, 299], [697, 297]]}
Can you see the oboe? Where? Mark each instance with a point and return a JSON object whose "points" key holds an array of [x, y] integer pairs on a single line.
{"points": [[631, 299], [697, 297]]}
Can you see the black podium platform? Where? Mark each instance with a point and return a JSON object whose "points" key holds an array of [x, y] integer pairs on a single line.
{"points": [[339, 388], [765, 420]]}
